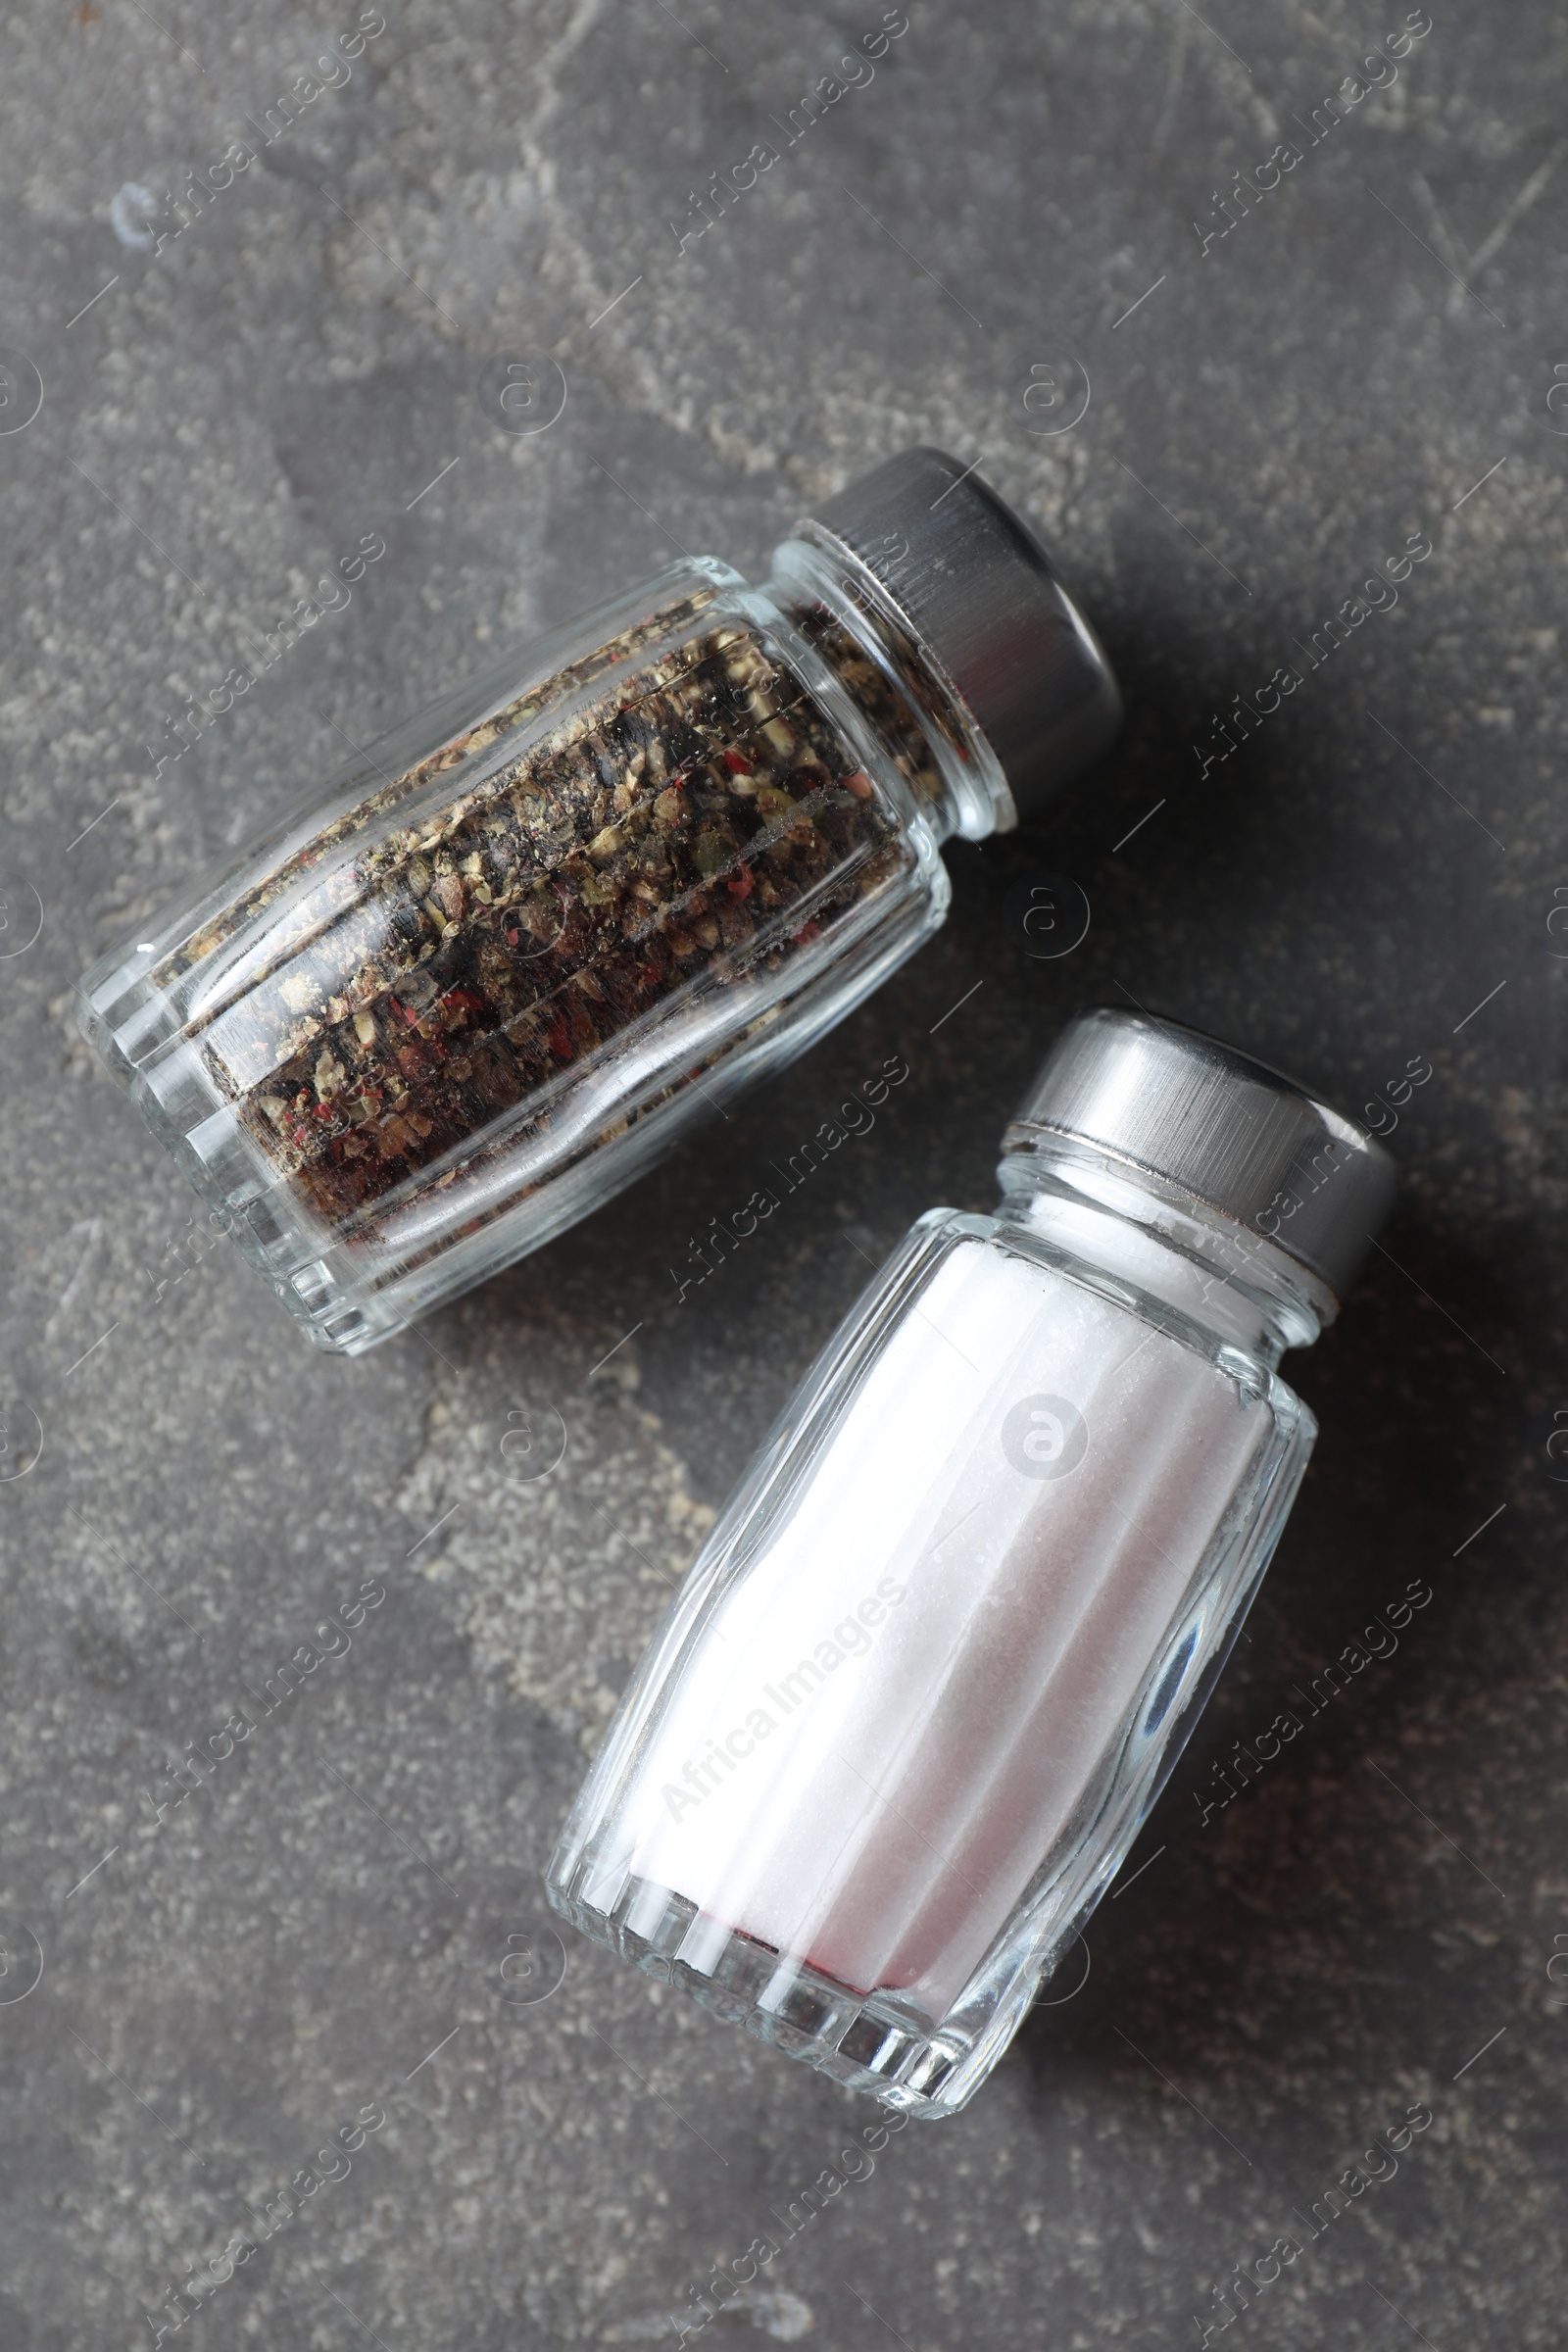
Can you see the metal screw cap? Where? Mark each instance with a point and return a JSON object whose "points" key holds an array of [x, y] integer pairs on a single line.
{"points": [[1239, 1137], [977, 589]]}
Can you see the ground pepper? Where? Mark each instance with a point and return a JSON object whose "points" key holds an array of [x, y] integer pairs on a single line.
{"points": [[667, 834]]}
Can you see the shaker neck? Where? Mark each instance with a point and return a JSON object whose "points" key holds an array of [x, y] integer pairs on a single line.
{"points": [[898, 684], [1238, 1286]]}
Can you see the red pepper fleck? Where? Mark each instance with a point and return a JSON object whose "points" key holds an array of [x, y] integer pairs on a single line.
{"points": [[737, 763], [741, 884], [804, 937]]}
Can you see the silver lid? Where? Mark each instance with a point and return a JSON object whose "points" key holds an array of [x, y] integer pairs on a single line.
{"points": [[1239, 1137], [977, 588]]}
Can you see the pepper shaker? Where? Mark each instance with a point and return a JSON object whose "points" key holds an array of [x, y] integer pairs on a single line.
{"points": [[478, 983], [904, 1718]]}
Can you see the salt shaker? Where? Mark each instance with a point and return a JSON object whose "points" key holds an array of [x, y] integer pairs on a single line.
{"points": [[478, 982], [906, 1715]]}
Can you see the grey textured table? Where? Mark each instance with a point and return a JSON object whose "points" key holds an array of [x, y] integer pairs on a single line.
{"points": [[1014, 209]]}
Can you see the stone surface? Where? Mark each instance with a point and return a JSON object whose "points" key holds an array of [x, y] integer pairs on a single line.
{"points": [[1007, 210]]}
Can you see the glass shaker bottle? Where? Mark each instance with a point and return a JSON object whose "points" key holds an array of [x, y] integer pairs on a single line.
{"points": [[929, 1674], [475, 984]]}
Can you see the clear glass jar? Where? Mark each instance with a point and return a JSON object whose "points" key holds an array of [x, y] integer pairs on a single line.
{"points": [[904, 1718], [469, 991]]}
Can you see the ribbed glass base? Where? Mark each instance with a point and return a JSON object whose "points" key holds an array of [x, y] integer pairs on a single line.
{"points": [[870, 2041]]}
